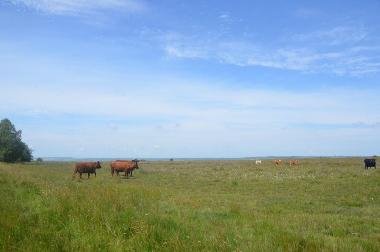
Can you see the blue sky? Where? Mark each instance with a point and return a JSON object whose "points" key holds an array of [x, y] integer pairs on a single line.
{"points": [[139, 78]]}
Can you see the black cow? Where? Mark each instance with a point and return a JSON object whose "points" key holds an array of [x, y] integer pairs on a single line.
{"points": [[369, 162]]}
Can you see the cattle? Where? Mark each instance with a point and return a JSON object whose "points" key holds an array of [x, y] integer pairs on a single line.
{"points": [[277, 161], [369, 162], [131, 170], [126, 166], [293, 162], [86, 167], [258, 162]]}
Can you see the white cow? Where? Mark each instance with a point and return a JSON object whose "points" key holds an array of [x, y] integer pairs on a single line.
{"points": [[258, 161]]}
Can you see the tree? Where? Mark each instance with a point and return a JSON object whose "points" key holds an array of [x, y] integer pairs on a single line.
{"points": [[12, 148]]}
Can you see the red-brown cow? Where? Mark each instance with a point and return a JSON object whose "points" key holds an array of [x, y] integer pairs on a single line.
{"points": [[277, 161], [126, 166], [293, 162], [86, 167]]}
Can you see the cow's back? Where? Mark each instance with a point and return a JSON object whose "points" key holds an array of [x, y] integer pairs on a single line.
{"points": [[85, 167], [122, 165]]}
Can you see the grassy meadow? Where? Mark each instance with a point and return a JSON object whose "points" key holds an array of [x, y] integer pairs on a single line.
{"points": [[321, 205]]}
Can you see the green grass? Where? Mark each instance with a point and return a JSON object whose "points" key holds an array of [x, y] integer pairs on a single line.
{"points": [[321, 205]]}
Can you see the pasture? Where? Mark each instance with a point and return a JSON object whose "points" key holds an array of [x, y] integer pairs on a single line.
{"points": [[321, 205]]}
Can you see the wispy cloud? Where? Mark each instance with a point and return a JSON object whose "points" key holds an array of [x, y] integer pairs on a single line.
{"points": [[307, 13], [80, 7], [334, 126], [196, 103], [237, 121], [224, 16], [182, 51], [336, 36], [340, 50]]}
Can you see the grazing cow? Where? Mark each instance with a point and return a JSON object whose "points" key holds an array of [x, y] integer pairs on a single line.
{"points": [[128, 161], [277, 161], [258, 162], [86, 167], [369, 162], [126, 166], [293, 162]]}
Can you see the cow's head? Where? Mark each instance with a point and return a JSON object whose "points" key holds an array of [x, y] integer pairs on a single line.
{"points": [[98, 165], [136, 162]]}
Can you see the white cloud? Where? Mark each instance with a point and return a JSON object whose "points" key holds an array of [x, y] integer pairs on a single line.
{"points": [[185, 52], [336, 36], [190, 118], [195, 102], [339, 51], [80, 7], [224, 16], [308, 13]]}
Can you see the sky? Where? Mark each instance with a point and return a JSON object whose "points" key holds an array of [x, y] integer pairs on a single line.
{"points": [[172, 79]]}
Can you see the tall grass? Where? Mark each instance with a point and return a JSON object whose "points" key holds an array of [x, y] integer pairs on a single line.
{"points": [[323, 204]]}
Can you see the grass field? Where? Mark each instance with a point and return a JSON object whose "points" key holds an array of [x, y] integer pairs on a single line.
{"points": [[322, 205]]}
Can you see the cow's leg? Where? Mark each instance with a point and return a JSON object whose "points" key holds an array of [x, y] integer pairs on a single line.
{"points": [[80, 175], [95, 174], [88, 175], [126, 174]]}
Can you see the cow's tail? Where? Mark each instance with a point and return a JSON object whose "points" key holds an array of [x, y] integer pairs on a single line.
{"points": [[75, 172]]}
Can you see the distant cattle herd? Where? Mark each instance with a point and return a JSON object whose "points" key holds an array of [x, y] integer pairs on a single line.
{"points": [[128, 166]]}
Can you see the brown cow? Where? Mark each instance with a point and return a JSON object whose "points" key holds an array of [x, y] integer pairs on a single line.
{"points": [[128, 161], [293, 162], [86, 167], [126, 166], [277, 161]]}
